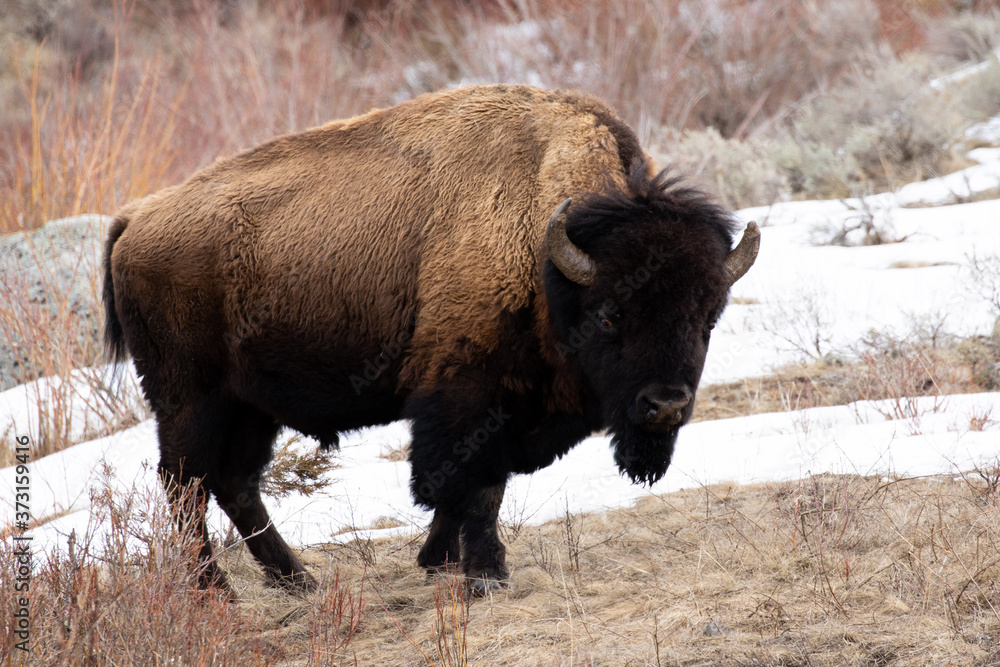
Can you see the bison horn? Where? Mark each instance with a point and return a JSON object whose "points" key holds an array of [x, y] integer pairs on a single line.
{"points": [[573, 262], [742, 257]]}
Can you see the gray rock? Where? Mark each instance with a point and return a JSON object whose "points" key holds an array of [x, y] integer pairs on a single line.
{"points": [[50, 285]]}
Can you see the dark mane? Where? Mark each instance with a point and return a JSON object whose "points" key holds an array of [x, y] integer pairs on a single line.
{"points": [[662, 197]]}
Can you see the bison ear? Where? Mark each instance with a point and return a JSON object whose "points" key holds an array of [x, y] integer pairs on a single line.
{"points": [[574, 263], [742, 257]]}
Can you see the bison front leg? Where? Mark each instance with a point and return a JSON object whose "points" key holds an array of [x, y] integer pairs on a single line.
{"points": [[459, 469], [442, 545], [484, 557]]}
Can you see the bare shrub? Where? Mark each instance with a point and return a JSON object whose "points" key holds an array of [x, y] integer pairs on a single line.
{"points": [[984, 276], [900, 372], [159, 90], [899, 380], [336, 617], [800, 321], [981, 420], [979, 98], [966, 36], [897, 370], [812, 167], [292, 471], [866, 224], [755, 62], [131, 593], [170, 87], [741, 173], [982, 354], [451, 604], [877, 129], [84, 150]]}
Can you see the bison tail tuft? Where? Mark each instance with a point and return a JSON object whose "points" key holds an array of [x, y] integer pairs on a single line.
{"points": [[114, 336]]}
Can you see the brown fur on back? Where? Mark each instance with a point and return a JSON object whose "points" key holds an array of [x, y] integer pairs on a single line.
{"points": [[428, 216]]}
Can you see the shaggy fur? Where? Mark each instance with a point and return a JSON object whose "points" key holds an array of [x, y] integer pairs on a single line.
{"points": [[393, 265]]}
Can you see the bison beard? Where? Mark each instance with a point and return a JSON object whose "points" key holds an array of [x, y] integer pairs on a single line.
{"points": [[643, 456]]}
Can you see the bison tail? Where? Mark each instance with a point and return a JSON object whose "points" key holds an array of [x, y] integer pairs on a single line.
{"points": [[114, 337]]}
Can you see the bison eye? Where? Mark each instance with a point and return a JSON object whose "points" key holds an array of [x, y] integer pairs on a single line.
{"points": [[607, 324], [708, 329], [607, 321]]}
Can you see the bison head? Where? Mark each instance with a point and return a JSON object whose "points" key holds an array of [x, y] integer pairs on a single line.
{"points": [[635, 283]]}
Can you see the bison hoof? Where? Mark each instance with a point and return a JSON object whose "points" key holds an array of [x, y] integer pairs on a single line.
{"points": [[212, 578], [297, 582], [485, 586], [446, 570]]}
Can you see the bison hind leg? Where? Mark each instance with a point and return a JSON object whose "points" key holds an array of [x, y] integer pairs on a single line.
{"points": [[245, 453], [188, 499], [185, 462], [219, 446]]}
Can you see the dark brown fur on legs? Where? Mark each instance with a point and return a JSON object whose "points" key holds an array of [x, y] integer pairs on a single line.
{"points": [[442, 545], [245, 451], [187, 503], [483, 554], [183, 477], [240, 439], [243, 505]]}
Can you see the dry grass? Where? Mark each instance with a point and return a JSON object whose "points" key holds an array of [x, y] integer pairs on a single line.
{"points": [[883, 368], [828, 570], [128, 596]]}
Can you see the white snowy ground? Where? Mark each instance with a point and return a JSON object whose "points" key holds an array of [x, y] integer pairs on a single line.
{"points": [[794, 285]]}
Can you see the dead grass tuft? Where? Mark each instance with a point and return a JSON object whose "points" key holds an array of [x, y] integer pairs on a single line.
{"points": [[395, 453], [295, 471]]}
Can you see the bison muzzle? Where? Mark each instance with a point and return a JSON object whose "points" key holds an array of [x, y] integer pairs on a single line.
{"points": [[500, 265]]}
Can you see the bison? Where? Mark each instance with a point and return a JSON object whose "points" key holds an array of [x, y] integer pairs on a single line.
{"points": [[500, 265]]}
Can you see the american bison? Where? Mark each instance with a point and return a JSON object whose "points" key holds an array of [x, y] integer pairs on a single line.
{"points": [[500, 265]]}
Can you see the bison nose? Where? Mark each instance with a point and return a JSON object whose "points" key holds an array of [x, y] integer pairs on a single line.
{"points": [[660, 405]]}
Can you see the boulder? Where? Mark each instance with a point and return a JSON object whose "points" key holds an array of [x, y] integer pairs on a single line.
{"points": [[50, 283]]}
